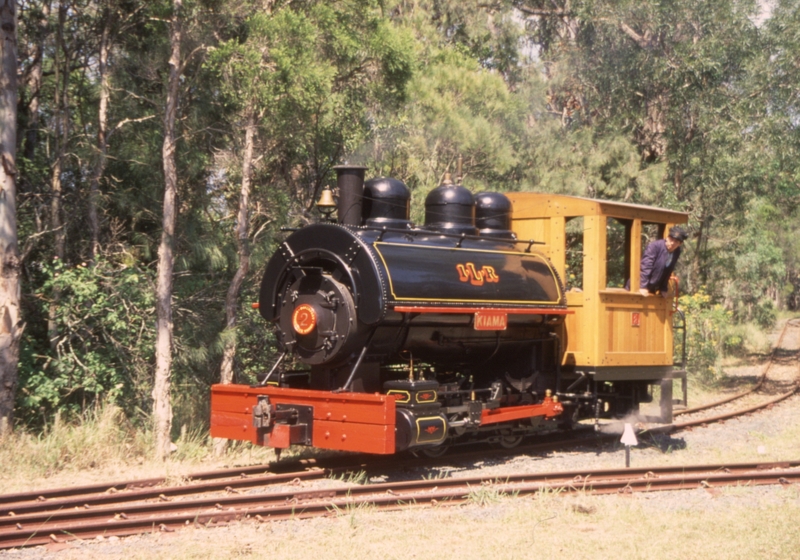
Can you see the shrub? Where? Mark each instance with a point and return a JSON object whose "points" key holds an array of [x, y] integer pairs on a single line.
{"points": [[706, 334], [102, 340], [712, 334]]}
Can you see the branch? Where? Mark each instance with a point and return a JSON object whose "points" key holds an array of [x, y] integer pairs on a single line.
{"points": [[123, 122], [139, 97], [642, 41], [260, 230], [189, 57], [28, 246], [555, 12]]}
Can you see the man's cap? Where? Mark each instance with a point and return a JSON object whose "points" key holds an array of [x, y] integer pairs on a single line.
{"points": [[677, 233]]}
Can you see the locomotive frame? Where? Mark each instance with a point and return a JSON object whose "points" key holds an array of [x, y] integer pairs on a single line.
{"points": [[418, 337]]}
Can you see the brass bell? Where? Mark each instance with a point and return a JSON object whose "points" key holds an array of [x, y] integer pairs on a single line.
{"points": [[326, 204]]}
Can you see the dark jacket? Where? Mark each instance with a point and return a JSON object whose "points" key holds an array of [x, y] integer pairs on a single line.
{"points": [[654, 271]]}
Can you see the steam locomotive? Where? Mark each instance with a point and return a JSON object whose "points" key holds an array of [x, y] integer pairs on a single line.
{"points": [[411, 337]]}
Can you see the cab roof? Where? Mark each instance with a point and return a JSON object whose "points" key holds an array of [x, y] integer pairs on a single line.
{"points": [[542, 205]]}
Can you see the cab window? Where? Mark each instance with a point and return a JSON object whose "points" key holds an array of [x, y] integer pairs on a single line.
{"points": [[651, 231], [574, 254], [618, 252]]}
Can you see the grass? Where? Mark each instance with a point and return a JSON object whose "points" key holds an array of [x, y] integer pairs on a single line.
{"points": [[354, 513], [103, 445], [351, 477], [688, 524], [101, 438], [485, 495], [755, 340]]}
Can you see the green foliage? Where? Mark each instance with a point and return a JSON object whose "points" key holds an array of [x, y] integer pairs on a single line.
{"points": [[104, 319], [712, 335], [706, 325], [687, 105], [706, 335], [757, 264], [455, 108]]}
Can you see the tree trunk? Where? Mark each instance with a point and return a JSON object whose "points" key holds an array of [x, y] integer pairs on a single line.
{"points": [[102, 141], [699, 272], [653, 135], [10, 323], [61, 119], [162, 408], [243, 244], [34, 83]]}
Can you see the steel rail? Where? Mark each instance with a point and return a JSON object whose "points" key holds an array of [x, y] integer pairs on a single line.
{"points": [[153, 488], [755, 387], [395, 495], [293, 467], [57, 515], [162, 493]]}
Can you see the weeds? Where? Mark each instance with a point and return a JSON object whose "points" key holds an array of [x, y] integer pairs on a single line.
{"points": [[101, 437], [352, 511], [712, 334], [485, 495], [101, 443], [350, 477], [192, 445], [546, 493]]}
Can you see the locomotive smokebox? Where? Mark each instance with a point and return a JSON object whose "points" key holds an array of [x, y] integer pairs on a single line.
{"points": [[350, 181]]}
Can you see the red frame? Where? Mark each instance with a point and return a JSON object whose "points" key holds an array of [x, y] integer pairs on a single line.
{"points": [[344, 421], [469, 310], [358, 422]]}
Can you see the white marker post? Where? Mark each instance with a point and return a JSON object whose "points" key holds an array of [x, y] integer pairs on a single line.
{"points": [[628, 438]]}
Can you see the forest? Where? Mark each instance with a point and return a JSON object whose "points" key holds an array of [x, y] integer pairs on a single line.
{"points": [[153, 150]]}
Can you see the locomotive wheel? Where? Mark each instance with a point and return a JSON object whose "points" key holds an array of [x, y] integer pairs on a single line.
{"points": [[434, 452], [569, 418], [508, 441]]}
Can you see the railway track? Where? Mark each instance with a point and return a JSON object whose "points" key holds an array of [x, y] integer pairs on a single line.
{"points": [[782, 386], [260, 492], [790, 326], [57, 525]]}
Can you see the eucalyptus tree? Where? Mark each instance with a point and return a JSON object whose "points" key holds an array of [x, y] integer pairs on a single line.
{"points": [[112, 19], [10, 318], [39, 14], [296, 84], [675, 76], [162, 406], [66, 52]]}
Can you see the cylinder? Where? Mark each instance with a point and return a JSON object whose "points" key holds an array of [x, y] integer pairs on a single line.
{"points": [[350, 182]]}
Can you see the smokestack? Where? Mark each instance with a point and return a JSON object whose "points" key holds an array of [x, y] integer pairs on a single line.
{"points": [[350, 180]]}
